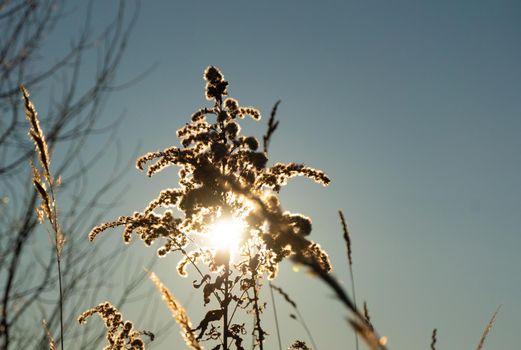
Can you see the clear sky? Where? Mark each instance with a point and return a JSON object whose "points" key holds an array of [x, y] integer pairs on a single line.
{"points": [[413, 108]]}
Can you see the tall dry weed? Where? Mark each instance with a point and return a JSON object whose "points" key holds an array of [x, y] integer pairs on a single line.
{"points": [[45, 185], [225, 181], [225, 178]]}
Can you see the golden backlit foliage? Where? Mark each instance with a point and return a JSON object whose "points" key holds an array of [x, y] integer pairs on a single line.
{"points": [[224, 177], [121, 334], [225, 188], [178, 313]]}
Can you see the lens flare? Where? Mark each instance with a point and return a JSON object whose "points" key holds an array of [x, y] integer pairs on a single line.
{"points": [[226, 235]]}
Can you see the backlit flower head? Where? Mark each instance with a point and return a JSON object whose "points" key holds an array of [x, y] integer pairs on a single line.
{"points": [[224, 212]]}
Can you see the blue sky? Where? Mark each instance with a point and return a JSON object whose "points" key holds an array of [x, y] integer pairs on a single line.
{"points": [[413, 110]]}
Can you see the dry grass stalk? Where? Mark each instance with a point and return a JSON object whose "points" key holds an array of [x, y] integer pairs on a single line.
{"points": [[50, 339], [272, 126], [45, 188], [359, 323], [367, 316], [36, 133], [275, 316], [368, 335], [178, 313], [223, 175], [347, 239], [487, 330], [48, 207], [294, 304], [433, 339]]}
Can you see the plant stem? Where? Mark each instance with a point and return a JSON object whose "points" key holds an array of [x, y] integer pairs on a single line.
{"points": [[225, 304], [260, 332], [61, 299], [354, 296], [276, 318], [306, 329], [58, 246]]}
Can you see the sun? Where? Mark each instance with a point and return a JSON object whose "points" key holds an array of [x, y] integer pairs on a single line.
{"points": [[226, 235]]}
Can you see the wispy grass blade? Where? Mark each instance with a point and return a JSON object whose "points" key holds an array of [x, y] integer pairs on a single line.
{"points": [[487, 330], [347, 239], [275, 315], [178, 313], [272, 126], [294, 304]]}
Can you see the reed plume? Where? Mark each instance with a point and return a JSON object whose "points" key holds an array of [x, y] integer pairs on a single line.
{"points": [[45, 186], [178, 313], [347, 240], [487, 330], [50, 339]]}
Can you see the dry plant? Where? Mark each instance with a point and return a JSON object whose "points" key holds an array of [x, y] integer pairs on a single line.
{"points": [[298, 315], [228, 225], [487, 330], [45, 185], [178, 313], [28, 269], [120, 334], [434, 339], [50, 338], [347, 240], [299, 345], [231, 225]]}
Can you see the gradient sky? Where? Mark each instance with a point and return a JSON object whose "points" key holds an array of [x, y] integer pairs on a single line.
{"points": [[413, 108]]}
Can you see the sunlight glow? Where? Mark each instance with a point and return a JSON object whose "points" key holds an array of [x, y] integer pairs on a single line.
{"points": [[383, 340], [226, 235]]}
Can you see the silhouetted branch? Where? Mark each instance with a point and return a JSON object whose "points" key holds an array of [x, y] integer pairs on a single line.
{"points": [[27, 272]]}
